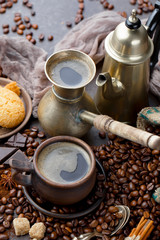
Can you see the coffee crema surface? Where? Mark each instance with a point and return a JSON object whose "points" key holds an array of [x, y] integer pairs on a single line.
{"points": [[64, 162], [70, 73]]}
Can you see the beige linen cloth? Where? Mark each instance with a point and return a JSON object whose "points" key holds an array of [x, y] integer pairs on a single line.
{"points": [[24, 63]]}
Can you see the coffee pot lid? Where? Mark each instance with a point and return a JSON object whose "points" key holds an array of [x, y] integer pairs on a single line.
{"points": [[129, 43]]}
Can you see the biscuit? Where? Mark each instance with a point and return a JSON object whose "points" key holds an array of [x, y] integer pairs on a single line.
{"points": [[13, 87], [12, 111]]}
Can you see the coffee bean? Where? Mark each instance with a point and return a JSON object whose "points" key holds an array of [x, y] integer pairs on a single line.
{"points": [[105, 4], [132, 186], [9, 211], [110, 202], [4, 236], [33, 41], [50, 38], [33, 134], [35, 26], [10, 206], [30, 151], [144, 204], [17, 14], [6, 224], [2, 208], [21, 200], [113, 209], [29, 5], [68, 24], [4, 200], [33, 13], [146, 197], [19, 193], [5, 26], [30, 139], [26, 19], [9, 218], [19, 210], [150, 186], [20, 32], [2, 229], [9, 4], [15, 202], [110, 6], [143, 187], [4, 5], [14, 29], [41, 37], [28, 25], [135, 168], [2, 10], [25, 2], [21, 27], [35, 144], [102, 135], [133, 203], [6, 30], [133, 2], [17, 18], [19, 23], [34, 129]]}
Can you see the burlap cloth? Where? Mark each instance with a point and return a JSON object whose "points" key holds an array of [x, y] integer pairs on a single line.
{"points": [[24, 63]]}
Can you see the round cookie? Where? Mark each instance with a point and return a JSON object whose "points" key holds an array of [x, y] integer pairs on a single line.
{"points": [[12, 111]]}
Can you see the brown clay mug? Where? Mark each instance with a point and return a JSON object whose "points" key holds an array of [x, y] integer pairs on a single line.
{"points": [[63, 170]]}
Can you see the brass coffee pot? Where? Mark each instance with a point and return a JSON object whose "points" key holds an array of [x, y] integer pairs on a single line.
{"points": [[67, 109], [124, 82]]}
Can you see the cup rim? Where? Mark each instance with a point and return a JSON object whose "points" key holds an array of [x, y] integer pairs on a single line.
{"points": [[70, 51], [70, 139]]}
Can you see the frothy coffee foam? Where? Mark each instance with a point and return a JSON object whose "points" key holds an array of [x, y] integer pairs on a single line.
{"points": [[63, 157]]}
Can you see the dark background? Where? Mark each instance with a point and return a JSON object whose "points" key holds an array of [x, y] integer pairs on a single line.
{"points": [[52, 15]]}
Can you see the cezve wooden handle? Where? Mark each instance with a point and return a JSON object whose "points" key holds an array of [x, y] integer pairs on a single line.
{"points": [[107, 124]]}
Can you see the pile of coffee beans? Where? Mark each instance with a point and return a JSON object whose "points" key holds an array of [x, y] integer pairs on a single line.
{"points": [[144, 6], [5, 4], [132, 177], [104, 220], [34, 138]]}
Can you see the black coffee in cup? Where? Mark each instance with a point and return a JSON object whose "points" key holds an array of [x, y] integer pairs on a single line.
{"points": [[70, 73], [64, 162]]}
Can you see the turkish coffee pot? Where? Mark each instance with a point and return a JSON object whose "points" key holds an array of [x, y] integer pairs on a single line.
{"points": [[67, 109], [124, 82]]}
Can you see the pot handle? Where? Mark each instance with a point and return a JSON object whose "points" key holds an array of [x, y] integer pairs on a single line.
{"points": [[17, 168], [152, 24], [107, 124]]}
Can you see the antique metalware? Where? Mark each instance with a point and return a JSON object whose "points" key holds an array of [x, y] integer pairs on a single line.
{"points": [[69, 110], [58, 109], [124, 82]]}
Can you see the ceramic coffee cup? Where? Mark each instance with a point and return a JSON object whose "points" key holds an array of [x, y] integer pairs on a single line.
{"points": [[63, 170]]}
